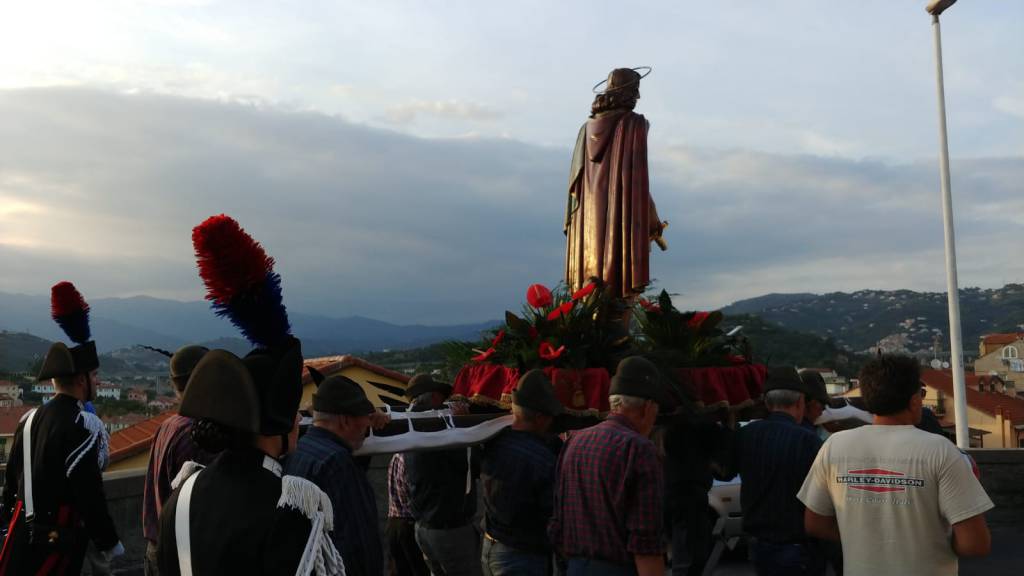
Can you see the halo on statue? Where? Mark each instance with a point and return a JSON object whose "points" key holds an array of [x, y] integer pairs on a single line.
{"points": [[646, 70]]}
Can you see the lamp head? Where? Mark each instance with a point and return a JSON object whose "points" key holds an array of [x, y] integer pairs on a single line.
{"points": [[936, 7]]}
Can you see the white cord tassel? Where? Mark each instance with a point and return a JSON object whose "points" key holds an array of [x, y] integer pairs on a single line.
{"points": [[187, 469], [320, 557]]}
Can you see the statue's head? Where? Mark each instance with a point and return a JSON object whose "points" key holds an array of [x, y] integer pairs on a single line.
{"points": [[621, 90]]}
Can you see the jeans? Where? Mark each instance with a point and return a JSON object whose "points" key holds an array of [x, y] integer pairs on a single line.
{"points": [[498, 559], [595, 567], [450, 552], [792, 559]]}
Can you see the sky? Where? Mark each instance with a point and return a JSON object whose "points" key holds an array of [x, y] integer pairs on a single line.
{"points": [[408, 161]]}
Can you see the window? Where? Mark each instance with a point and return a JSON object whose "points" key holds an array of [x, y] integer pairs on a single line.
{"points": [[1009, 352]]}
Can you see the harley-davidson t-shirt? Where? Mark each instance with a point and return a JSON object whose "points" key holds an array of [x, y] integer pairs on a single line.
{"points": [[895, 492]]}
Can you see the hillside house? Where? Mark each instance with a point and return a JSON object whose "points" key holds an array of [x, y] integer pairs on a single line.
{"points": [[8, 388], [1002, 355], [163, 403], [108, 391], [9, 401], [137, 395]]}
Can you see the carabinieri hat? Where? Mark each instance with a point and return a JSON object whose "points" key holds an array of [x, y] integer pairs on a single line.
{"points": [[71, 313], [242, 285], [340, 395], [534, 391], [221, 389], [423, 383]]}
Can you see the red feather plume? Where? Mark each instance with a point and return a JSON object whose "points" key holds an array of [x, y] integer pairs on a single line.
{"points": [[229, 259], [66, 300]]}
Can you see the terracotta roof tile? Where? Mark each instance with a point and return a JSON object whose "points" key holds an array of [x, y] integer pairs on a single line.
{"points": [[330, 364], [135, 439], [997, 339], [987, 402]]}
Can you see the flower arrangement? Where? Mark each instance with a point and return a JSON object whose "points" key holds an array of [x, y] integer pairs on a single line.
{"points": [[555, 328], [686, 339]]}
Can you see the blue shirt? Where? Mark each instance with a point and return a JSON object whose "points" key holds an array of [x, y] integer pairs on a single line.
{"points": [[323, 458], [773, 458], [518, 474]]}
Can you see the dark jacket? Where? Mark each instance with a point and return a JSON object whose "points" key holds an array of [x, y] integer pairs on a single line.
{"points": [[437, 486], [67, 489], [235, 522], [326, 460]]}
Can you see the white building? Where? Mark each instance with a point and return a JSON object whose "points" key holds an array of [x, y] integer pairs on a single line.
{"points": [[108, 391]]}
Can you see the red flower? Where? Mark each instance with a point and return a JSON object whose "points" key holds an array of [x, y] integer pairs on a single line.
{"points": [[549, 352], [737, 359], [585, 291], [698, 319], [482, 356], [498, 338], [561, 310], [649, 306], [538, 296]]}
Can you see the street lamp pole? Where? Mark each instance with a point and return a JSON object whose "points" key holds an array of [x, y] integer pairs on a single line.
{"points": [[956, 353]]}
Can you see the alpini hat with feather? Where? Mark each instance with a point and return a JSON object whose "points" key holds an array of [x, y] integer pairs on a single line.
{"points": [[71, 313], [242, 286]]}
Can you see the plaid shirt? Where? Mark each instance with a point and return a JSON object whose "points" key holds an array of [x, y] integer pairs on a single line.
{"points": [[608, 495], [398, 489]]}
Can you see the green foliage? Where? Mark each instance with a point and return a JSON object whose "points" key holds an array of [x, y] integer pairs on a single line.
{"points": [[683, 339], [108, 407]]}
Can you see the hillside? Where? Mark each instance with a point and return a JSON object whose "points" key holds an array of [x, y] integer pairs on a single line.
{"points": [[901, 320]]}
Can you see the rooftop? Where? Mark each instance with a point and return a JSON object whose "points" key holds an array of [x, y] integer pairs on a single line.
{"points": [[997, 339], [137, 438], [987, 402]]}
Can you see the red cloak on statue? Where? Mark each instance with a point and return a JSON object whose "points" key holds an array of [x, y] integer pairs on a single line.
{"points": [[611, 217]]}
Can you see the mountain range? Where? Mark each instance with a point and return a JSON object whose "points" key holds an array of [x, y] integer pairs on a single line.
{"points": [[119, 323], [897, 320]]}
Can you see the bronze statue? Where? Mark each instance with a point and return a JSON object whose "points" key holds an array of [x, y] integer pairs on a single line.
{"points": [[611, 219]]}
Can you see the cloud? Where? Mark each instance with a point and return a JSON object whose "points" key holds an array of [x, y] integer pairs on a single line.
{"points": [[103, 188], [1012, 105], [445, 109]]}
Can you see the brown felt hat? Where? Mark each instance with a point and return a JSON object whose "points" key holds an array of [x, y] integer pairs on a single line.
{"points": [[183, 362], [340, 395], [639, 377], [814, 386], [784, 378], [534, 391]]}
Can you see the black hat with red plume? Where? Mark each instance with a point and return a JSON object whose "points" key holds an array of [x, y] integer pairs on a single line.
{"points": [[242, 286], [71, 313]]}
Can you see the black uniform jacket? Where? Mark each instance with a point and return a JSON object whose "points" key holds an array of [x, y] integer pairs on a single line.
{"points": [[67, 491], [236, 526]]}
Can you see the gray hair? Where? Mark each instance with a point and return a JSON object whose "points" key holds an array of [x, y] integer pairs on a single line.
{"points": [[619, 402], [319, 416], [523, 413], [782, 398]]}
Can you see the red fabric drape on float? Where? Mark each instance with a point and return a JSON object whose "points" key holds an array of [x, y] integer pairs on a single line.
{"points": [[581, 391], [586, 391], [721, 386]]}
